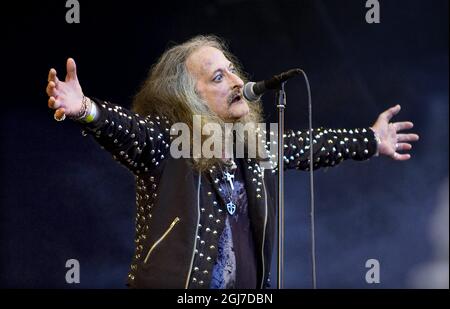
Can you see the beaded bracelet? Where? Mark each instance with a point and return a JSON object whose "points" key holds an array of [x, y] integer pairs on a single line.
{"points": [[85, 108]]}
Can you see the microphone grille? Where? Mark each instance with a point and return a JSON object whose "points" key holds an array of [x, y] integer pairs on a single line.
{"points": [[248, 92]]}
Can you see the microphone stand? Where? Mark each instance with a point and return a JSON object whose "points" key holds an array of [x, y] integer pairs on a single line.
{"points": [[281, 104]]}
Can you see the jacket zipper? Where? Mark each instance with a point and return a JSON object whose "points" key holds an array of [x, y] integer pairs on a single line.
{"points": [[172, 225], [196, 231], [264, 230]]}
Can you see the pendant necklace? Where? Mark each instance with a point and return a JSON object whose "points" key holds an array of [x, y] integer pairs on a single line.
{"points": [[229, 177]]}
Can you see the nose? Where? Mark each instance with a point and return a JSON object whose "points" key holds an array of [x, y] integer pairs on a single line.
{"points": [[236, 81]]}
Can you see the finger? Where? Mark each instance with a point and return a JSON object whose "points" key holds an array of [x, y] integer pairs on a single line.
{"points": [[391, 112], [407, 137], [403, 147], [53, 103], [406, 125], [51, 89], [401, 157], [71, 68], [59, 113], [52, 76]]}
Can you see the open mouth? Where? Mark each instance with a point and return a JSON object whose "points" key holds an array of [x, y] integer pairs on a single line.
{"points": [[235, 99]]}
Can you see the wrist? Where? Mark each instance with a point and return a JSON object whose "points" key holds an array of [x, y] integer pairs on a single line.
{"points": [[378, 139], [92, 113], [88, 111]]}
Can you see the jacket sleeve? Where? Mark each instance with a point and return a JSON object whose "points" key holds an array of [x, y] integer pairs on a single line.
{"points": [[330, 147], [139, 143]]}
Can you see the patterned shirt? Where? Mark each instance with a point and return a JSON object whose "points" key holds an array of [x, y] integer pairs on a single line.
{"points": [[236, 262]]}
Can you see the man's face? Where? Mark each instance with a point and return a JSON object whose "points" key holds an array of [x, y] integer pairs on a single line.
{"points": [[217, 83]]}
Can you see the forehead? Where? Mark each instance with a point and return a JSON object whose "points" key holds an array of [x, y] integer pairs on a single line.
{"points": [[206, 60]]}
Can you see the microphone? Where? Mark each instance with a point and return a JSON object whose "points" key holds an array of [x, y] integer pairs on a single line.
{"points": [[253, 91]]}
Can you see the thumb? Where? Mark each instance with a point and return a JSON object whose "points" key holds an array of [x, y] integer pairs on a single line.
{"points": [[393, 111], [71, 68]]}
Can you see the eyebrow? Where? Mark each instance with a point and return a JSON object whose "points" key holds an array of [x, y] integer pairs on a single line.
{"points": [[220, 70]]}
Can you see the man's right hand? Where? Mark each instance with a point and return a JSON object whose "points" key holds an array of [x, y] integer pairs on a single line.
{"points": [[65, 96]]}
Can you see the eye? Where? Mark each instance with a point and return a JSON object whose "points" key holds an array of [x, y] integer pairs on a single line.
{"points": [[218, 78], [233, 70]]}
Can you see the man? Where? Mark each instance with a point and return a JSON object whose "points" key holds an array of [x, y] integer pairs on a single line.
{"points": [[208, 222]]}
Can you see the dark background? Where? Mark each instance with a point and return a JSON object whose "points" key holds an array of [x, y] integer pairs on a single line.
{"points": [[62, 197]]}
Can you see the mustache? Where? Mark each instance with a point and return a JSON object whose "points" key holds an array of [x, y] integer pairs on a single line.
{"points": [[235, 94]]}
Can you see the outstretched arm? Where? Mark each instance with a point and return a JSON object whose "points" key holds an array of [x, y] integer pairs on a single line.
{"points": [[332, 146], [141, 144]]}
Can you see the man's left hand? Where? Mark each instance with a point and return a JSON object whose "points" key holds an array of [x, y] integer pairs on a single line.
{"points": [[391, 140]]}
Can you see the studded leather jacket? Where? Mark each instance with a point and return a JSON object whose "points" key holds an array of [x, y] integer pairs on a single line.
{"points": [[180, 214]]}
